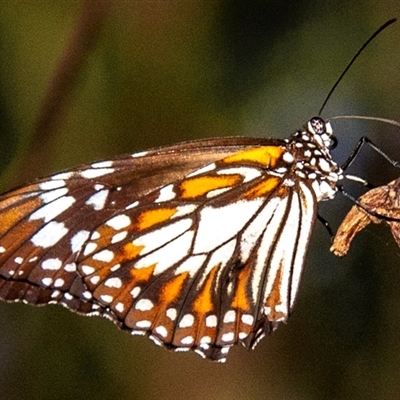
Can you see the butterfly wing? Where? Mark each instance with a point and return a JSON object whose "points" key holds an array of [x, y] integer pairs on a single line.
{"points": [[215, 260], [41, 221], [196, 258]]}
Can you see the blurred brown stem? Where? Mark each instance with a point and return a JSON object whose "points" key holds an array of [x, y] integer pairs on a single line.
{"points": [[60, 91]]}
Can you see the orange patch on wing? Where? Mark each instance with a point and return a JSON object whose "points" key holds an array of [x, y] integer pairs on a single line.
{"points": [[173, 288], [198, 186], [127, 252], [241, 300], [142, 274], [149, 218], [204, 303], [14, 214], [274, 299], [262, 188], [130, 251], [266, 156]]}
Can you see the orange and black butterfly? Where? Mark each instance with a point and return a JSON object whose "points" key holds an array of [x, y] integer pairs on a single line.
{"points": [[199, 245]]}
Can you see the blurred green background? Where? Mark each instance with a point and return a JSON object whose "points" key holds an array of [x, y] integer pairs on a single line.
{"points": [[167, 71]]}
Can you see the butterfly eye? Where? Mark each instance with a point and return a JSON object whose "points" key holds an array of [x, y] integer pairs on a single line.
{"points": [[317, 125]]}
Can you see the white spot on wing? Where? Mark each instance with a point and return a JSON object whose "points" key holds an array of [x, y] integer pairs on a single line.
{"points": [[144, 305], [184, 210], [143, 324], [2, 249], [207, 168], [71, 267], [119, 236], [229, 219], [53, 184], [247, 319], [87, 269], [106, 298], [115, 267], [217, 192], [227, 337], [171, 314], [78, 240], [53, 209], [52, 264], [62, 176], [104, 255], [135, 291], [90, 248], [211, 321], [162, 331], [132, 205], [95, 279], [248, 173], [96, 172], [102, 164], [256, 228], [47, 197], [153, 240], [87, 295], [166, 193], [230, 316], [98, 200], [119, 222], [288, 157], [59, 282], [95, 235], [168, 255], [49, 235], [140, 154], [47, 281], [187, 321], [113, 283], [187, 340], [204, 341], [191, 265]]}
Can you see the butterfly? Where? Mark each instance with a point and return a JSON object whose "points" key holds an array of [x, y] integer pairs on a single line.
{"points": [[198, 245]]}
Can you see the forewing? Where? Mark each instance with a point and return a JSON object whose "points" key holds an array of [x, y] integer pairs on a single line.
{"points": [[44, 225]]}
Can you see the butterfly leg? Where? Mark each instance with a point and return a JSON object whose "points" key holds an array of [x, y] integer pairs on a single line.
{"points": [[357, 149], [325, 223]]}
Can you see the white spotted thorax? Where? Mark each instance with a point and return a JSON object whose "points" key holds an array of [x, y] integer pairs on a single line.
{"points": [[311, 154]]}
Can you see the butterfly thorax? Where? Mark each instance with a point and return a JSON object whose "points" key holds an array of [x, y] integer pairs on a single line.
{"points": [[312, 160]]}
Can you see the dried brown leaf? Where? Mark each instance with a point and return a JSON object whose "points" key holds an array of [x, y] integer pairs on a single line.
{"points": [[383, 204]]}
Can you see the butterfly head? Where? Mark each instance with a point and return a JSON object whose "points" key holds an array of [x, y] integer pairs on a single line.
{"points": [[321, 132]]}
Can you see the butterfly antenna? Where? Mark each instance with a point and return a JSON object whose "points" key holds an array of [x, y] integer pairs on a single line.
{"points": [[376, 33], [365, 117]]}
